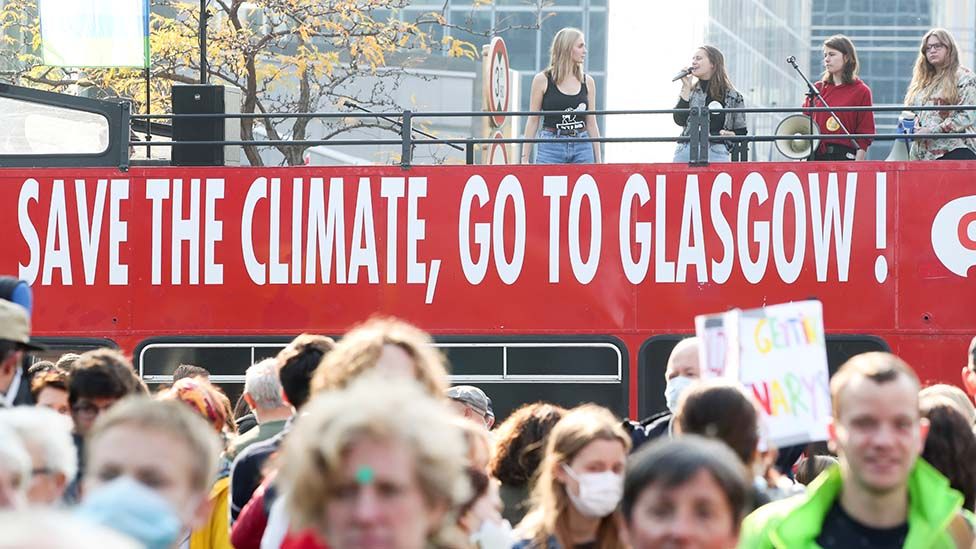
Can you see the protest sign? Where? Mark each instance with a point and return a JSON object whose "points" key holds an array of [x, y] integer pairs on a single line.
{"points": [[778, 355]]}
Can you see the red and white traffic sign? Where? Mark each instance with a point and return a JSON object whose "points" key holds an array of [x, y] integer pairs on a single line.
{"points": [[497, 152], [497, 87]]}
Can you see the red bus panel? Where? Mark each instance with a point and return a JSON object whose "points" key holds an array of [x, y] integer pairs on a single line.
{"points": [[629, 251]]}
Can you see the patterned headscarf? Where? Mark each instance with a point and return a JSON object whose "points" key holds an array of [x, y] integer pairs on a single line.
{"points": [[202, 397]]}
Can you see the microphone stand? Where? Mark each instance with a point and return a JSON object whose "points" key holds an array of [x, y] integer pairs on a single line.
{"points": [[813, 94]]}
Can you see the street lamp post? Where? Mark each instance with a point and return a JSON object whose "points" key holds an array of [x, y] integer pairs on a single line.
{"points": [[203, 41]]}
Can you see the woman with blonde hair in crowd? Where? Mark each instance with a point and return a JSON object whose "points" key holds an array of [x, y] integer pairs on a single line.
{"points": [[388, 346], [940, 79], [377, 464], [707, 82], [580, 484], [563, 87]]}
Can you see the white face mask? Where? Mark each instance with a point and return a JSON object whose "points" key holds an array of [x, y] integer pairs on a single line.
{"points": [[599, 493], [672, 392]]}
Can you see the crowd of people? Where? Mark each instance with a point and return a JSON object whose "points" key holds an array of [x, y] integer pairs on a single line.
{"points": [[938, 78], [362, 443]]}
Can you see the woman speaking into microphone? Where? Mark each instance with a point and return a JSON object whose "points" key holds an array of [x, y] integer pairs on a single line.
{"points": [[707, 81], [841, 87]]}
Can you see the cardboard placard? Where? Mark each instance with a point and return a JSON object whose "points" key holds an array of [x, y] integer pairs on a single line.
{"points": [[778, 355]]}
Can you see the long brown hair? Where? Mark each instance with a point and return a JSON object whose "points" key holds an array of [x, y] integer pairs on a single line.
{"points": [[929, 80], [845, 46], [720, 84], [549, 514], [561, 62]]}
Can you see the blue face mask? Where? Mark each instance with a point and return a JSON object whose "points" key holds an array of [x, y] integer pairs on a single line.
{"points": [[131, 508], [675, 387]]}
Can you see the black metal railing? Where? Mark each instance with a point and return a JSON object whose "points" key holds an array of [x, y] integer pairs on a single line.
{"points": [[404, 123], [698, 136]]}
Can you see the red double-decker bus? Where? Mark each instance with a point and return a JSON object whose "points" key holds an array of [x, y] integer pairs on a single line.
{"points": [[566, 283]]}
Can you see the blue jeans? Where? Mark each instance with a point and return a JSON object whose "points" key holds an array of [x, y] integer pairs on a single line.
{"points": [[717, 152], [563, 153]]}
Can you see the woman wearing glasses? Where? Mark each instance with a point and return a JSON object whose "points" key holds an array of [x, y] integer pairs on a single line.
{"points": [[939, 79]]}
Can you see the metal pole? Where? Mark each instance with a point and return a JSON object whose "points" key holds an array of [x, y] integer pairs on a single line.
{"points": [[124, 128], [406, 135], [148, 120], [469, 153], [698, 136], [203, 41]]}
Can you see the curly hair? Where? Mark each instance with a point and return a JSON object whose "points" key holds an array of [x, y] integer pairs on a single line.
{"points": [[950, 446], [520, 442], [360, 349], [370, 408]]}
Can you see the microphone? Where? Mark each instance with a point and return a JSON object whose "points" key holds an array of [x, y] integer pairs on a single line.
{"points": [[682, 74]]}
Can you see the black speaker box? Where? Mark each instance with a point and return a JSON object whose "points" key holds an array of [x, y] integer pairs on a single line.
{"points": [[198, 99]]}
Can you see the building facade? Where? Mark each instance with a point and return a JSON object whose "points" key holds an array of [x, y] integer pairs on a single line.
{"points": [[756, 37], [528, 27]]}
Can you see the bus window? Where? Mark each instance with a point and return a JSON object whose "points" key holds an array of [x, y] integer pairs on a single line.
{"points": [[225, 358], [564, 371], [512, 371], [654, 353], [57, 346]]}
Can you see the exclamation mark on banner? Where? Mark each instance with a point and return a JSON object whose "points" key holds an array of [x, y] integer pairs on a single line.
{"points": [[880, 227]]}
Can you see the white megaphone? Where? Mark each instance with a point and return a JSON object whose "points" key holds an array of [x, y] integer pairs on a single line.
{"points": [[899, 152], [792, 126]]}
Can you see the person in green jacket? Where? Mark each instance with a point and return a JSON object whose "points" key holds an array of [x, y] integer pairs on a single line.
{"points": [[881, 494]]}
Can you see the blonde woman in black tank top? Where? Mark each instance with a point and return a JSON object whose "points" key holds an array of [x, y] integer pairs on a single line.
{"points": [[564, 87]]}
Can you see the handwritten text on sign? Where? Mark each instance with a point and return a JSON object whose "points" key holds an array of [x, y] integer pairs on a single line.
{"points": [[778, 354]]}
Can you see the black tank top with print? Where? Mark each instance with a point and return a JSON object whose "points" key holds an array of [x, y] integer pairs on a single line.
{"points": [[555, 100]]}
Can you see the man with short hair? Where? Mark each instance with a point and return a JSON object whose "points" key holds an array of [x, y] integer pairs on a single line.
{"points": [[46, 436], [881, 494], [681, 371], [298, 360], [263, 393], [471, 403], [99, 379], [14, 340]]}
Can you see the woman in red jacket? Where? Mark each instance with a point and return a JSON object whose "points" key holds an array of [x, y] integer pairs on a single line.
{"points": [[841, 87]]}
